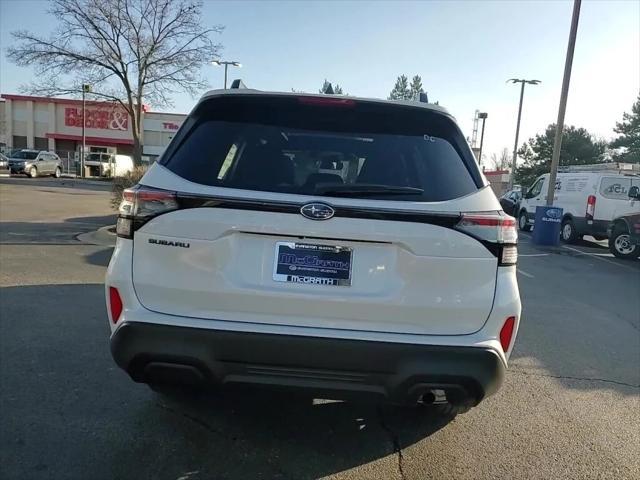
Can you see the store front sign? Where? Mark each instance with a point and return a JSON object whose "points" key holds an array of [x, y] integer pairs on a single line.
{"points": [[152, 124], [170, 126], [96, 118]]}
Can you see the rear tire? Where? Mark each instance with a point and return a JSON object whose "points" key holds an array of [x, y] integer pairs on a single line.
{"points": [[620, 245], [523, 222], [57, 173], [33, 172], [568, 232]]}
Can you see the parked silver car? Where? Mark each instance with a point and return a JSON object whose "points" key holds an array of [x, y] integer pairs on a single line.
{"points": [[35, 162]]}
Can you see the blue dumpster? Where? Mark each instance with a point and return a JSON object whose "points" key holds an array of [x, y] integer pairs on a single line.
{"points": [[546, 230]]}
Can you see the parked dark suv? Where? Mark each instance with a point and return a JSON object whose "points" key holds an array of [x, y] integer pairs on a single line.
{"points": [[624, 232]]}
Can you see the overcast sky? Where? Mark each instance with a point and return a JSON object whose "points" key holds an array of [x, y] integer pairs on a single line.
{"points": [[463, 50]]}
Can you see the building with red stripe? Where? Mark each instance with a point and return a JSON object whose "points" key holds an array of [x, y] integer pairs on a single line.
{"points": [[55, 124]]}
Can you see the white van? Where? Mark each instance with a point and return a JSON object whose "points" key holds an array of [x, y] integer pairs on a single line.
{"points": [[591, 196], [102, 164]]}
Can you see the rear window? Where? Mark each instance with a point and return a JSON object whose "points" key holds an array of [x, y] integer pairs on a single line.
{"points": [[25, 155], [617, 187], [355, 149]]}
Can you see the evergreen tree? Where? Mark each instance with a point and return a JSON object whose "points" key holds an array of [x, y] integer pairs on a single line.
{"points": [[628, 142], [401, 89], [578, 148], [329, 89], [415, 88]]}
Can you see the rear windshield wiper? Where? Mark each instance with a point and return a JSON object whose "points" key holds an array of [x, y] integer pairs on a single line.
{"points": [[366, 189]]}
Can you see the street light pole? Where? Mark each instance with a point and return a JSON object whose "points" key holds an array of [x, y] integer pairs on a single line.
{"points": [[483, 116], [83, 137], [85, 88], [515, 144], [557, 144], [226, 66]]}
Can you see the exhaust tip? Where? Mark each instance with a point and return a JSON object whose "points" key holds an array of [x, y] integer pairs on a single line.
{"points": [[434, 396], [427, 398]]}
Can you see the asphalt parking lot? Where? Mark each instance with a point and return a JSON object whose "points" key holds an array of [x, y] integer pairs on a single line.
{"points": [[569, 408]]}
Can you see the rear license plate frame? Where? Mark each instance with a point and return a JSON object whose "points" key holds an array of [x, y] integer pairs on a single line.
{"points": [[313, 264]]}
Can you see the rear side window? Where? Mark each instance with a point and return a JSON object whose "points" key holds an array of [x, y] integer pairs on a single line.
{"points": [[356, 149], [617, 187]]}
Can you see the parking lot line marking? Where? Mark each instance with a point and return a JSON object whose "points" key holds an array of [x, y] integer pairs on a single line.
{"points": [[593, 255], [525, 273], [533, 254]]}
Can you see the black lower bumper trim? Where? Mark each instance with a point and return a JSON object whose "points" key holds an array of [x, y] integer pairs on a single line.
{"points": [[337, 368]]}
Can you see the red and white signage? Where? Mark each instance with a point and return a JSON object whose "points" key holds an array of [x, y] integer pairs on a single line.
{"points": [[154, 124], [170, 126], [102, 119]]}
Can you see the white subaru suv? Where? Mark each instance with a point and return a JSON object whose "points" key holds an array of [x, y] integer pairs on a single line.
{"points": [[341, 245]]}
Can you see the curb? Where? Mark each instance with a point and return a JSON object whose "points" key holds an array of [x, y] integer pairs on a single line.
{"points": [[103, 236], [85, 181]]}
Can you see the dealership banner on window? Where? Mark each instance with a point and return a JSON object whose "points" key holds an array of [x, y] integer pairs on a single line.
{"points": [[96, 118]]}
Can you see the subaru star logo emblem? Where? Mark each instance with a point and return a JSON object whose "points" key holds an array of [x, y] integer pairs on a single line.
{"points": [[317, 211], [554, 213]]}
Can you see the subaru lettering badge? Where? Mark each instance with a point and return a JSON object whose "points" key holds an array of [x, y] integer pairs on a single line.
{"points": [[317, 211]]}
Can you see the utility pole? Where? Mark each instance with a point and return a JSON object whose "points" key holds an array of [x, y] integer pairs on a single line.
{"points": [[226, 66], [515, 145], [86, 88], [557, 144], [483, 116]]}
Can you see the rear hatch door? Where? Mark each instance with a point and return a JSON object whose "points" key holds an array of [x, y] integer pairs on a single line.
{"points": [[321, 215]]}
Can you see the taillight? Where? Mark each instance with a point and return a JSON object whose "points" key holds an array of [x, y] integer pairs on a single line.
{"points": [[139, 205], [327, 101], [496, 231], [591, 207], [115, 304], [506, 333]]}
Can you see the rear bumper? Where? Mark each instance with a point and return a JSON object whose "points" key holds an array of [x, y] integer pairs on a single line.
{"points": [[337, 368], [591, 227]]}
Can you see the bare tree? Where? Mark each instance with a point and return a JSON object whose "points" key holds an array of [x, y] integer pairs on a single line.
{"points": [[503, 162], [129, 51]]}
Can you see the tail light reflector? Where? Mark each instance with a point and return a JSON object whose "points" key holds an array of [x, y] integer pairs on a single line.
{"points": [[506, 333], [115, 304], [591, 207]]}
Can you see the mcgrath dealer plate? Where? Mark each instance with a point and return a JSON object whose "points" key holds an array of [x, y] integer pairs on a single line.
{"points": [[312, 264]]}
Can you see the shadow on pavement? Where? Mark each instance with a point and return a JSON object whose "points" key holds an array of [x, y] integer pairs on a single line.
{"points": [[100, 258], [63, 232], [97, 221], [60, 386], [268, 434], [69, 183]]}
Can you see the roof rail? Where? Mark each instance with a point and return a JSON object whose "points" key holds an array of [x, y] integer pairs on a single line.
{"points": [[610, 167]]}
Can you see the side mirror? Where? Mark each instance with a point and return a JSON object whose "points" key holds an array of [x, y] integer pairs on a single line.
{"points": [[634, 192]]}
